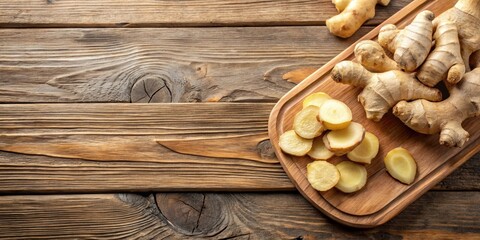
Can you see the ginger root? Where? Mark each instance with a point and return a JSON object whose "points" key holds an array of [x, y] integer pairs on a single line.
{"points": [[457, 36], [445, 62], [466, 16], [373, 57], [411, 45], [447, 116], [353, 13], [382, 90]]}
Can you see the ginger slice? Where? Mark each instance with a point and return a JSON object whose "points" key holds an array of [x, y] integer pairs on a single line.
{"points": [[319, 151], [322, 175], [306, 123], [345, 140], [293, 144], [401, 165], [316, 99], [366, 151], [352, 177], [335, 115]]}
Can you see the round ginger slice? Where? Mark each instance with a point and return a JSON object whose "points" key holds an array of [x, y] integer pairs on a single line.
{"points": [[401, 165], [306, 124], [293, 144], [335, 114], [322, 175], [319, 151], [345, 140], [316, 99], [366, 151], [353, 177]]}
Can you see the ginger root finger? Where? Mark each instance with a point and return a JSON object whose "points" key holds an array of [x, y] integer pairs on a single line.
{"points": [[353, 14], [445, 61], [372, 56], [445, 117], [382, 90], [411, 45], [466, 16]]}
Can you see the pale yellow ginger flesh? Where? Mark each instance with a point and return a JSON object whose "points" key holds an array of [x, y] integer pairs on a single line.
{"points": [[294, 145], [316, 99], [366, 151], [319, 151], [445, 117], [322, 175], [381, 91], [372, 56], [343, 141], [353, 177], [411, 45], [335, 114], [353, 14], [306, 123], [401, 165]]}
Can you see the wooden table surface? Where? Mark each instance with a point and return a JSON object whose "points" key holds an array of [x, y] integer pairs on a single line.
{"points": [[148, 119]]}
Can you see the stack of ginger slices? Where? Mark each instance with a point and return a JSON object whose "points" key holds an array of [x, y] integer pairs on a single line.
{"points": [[323, 129]]}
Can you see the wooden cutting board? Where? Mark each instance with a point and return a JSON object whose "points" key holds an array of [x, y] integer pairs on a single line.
{"points": [[383, 197]]}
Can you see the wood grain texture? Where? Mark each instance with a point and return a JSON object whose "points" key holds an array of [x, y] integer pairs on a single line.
{"points": [[112, 145], [382, 197], [194, 64], [439, 215], [147, 147], [141, 13]]}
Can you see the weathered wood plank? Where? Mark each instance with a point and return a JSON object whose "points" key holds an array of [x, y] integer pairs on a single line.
{"points": [[145, 147], [183, 64], [124, 13], [444, 215], [108, 147]]}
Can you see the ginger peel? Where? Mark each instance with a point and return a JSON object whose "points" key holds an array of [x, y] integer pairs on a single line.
{"points": [[373, 57], [353, 14], [381, 91], [445, 61], [411, 45], [445, 117]]}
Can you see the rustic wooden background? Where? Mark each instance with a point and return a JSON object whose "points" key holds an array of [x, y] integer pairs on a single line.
{"points": [[78, 159]]}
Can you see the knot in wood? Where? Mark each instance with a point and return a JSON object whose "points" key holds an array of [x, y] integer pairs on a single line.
{"points": [[193, 214], [265, 149], [150, 89]]}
